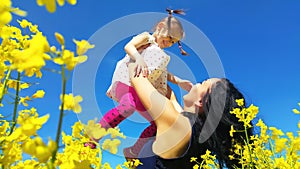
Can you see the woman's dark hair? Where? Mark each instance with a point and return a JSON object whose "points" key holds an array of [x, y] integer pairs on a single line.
{"points": [[218, 104]]}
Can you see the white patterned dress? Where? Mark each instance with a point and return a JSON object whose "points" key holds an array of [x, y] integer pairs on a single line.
{"points": [[156, 60]]}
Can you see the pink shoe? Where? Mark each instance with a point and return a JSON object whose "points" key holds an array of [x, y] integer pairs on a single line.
{"points": [[90, 144]]}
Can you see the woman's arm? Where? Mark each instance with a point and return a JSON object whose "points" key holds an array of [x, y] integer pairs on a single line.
{"points": [[173, 129]]}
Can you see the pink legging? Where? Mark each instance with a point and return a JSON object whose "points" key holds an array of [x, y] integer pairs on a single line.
{"points": [[129, 102]]}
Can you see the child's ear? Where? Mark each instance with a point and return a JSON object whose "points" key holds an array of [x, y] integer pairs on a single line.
{"points": [[160, 26]]}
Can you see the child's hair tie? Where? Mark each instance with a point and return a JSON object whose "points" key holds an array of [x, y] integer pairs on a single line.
{"points": [[183, 52], [177, 11]]}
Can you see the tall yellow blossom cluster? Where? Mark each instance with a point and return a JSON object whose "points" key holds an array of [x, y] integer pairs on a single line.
{"points": [[207, 161], [67, 57], [24, 52], [270, 148], [76, 155], [24, 139]]}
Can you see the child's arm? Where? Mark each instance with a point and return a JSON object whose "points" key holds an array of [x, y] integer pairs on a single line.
{"points": [[184, 84], [133, 47]]}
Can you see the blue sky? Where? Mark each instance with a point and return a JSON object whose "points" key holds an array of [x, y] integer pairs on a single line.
{"points": [[257, 43]]}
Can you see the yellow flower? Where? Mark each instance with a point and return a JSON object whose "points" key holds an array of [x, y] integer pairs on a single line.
{"points": [[39, 149], [77, 129], [18, 11], [132, 163], [30, 125], [193, 159], [50, 5], [32, 57], [10, 153], [240, 102], [231, 157], [137, 162], [82, 46], [24, 23], [196, 166], [119, 166], [111, 145], [69, 59], [115, 132], [31, 71], [24, 100], [24, 85], [72, 2], [280, 144], [38, 94], [94, 130], [71, 103], [276, 132], [296, 111], [61, 2], [5, 15], [34, 29], [106, 166], [4, 127], [231, 131], [60, 39], [13, 84], [66, 139]]}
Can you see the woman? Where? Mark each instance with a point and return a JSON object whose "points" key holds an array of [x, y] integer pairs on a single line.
{"points": [[204, 123]]}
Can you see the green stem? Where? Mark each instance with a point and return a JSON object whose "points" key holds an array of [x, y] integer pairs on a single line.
{"points": [[250, 151], [14, 121], [4, 85], [61, 114], [272, 148]]}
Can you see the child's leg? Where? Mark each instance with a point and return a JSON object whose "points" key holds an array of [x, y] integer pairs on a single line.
{"points": [[116, 115], [133, 151]]}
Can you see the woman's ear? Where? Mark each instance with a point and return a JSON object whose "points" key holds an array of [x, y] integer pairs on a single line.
{"points": [[199, 103]]}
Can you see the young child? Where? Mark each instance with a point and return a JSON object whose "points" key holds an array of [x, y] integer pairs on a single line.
{"points": [[146, 50]]}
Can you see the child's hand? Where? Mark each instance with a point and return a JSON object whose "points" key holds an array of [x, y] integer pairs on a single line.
{"points": [[185, 84], [141, 67]]}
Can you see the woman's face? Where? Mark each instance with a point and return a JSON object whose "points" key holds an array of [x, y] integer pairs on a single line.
{"points": [[198, 91]]}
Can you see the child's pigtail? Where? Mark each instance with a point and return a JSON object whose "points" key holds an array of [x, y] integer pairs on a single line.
{"points": [[183, 52], [180, 12]]}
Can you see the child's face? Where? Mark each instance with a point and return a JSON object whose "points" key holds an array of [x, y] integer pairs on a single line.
{"points": [[166, 41]]}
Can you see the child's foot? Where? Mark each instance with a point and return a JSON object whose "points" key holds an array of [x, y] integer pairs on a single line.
{"points": [[129, 155]]}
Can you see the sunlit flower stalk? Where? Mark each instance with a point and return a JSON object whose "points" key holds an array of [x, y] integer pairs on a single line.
{"points": [[248, 146], [61, 114], [14, 122], [272, 148]]}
